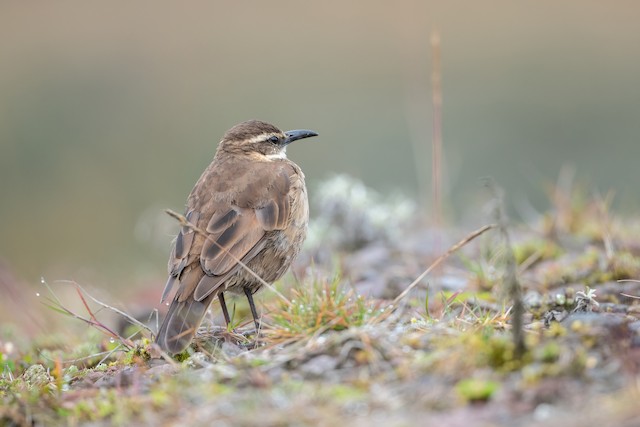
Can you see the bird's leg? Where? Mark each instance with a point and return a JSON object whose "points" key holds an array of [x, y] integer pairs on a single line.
{"points": [[249, 295], [223, 304]]}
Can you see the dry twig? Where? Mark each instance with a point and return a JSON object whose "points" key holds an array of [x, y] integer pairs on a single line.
{"points": [[441, 258]]}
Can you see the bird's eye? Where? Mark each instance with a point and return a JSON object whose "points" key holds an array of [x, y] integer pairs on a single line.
{"points": [[274, 139]]}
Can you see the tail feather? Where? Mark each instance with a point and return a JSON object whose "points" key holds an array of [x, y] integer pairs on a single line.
{"points": [[181, 323]]}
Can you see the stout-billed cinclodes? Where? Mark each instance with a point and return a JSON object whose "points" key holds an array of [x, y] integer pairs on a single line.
{"points": [[251, 205]]}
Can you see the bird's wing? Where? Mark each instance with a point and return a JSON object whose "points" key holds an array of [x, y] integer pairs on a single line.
{"points": [[235, 231]]}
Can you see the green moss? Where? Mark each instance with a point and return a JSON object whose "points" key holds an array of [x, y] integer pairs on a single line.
{"points": [[499, 353], [160, 398], [556, 330], [476, 390], [184, 355], [591, 267], [624, 265], [139, 353], [542, 249], [342, 392], [548, 353]]}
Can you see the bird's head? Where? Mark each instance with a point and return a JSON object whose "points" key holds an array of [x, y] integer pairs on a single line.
{"points": [[257, 137]]}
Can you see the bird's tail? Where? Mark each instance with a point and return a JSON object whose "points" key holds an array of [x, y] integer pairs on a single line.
{"points": [[181, 323]]}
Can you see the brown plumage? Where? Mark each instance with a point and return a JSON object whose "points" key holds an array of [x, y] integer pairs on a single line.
{"points": [[252, 203]]}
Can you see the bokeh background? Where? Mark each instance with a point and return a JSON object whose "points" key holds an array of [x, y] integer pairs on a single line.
{"points": [[110, 111]]}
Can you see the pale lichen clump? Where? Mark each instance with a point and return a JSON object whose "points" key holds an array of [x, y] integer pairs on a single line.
{"points": [[349, 215]]}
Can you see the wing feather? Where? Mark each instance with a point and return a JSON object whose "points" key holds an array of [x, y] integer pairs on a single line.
{"points": [[180, 253], [237, 228], [220, 252]]}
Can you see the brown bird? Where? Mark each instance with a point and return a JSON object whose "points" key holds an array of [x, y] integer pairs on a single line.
{"points": [[251, 203]]}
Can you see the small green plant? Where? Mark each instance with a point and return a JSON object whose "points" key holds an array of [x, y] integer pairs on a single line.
{"points": [[586, 301], [483, 272], [317, 307], [7, 365]]}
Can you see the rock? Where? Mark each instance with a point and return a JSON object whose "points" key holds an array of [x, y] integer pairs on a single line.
{"points": [[319, 365]]}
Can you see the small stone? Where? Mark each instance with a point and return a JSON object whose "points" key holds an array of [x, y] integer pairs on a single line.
{"points": [[533, 299], [160, 370], [319, 365], [231, 349], [606, 325], [553, 316]]}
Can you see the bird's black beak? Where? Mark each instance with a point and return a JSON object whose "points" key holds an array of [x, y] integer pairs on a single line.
{"points": [[293, 135]]}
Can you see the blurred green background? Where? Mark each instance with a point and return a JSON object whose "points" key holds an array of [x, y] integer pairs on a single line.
{"points": [[110, 111]]}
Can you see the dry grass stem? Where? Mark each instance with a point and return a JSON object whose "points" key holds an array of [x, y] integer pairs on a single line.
{"points": [[129, 318], [436, 147], [441, 258], [55, 304], [511, 283]]}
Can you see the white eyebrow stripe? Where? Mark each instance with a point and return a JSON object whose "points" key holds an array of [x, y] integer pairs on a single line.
{"points": [[262, 137]]}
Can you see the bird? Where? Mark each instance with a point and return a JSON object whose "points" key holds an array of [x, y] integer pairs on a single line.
{"points": [[246, 216]]}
